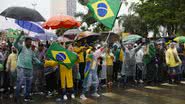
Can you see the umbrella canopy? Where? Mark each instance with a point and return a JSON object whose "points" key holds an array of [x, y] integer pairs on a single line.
{"points": [[160, 41], [64, 39], [180, 39], [30, 26], [22, 13], [87, 37], [46, 36], [71, 34], [72, 31], [112, 38], [61, 22], [131, 38], [86, 34]]}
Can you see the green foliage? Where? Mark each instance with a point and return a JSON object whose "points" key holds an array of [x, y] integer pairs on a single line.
{"points": [[147, 15], [167, 13], [87, 18], [83, 2], [61, 31], [133, 24], [90, 20], [99, 27]]}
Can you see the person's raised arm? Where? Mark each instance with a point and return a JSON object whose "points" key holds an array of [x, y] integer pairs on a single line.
{"points": [[98, 52], [16, 43], [137, 48]]}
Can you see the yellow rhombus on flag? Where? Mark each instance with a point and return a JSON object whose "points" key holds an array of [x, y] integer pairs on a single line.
{"points": [[109, 10], [105, 11], [63, 55]]}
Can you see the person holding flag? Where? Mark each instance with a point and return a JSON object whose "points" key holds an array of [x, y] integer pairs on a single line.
{"points": [[66, 59], [105, 11], [91, 76]]}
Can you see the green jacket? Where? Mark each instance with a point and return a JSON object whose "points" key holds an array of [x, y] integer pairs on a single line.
{"points": [[26, 56], [147, 58]]}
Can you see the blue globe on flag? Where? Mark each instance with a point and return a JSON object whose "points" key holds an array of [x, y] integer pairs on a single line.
{"points": [[60, 57], [102, 9]]}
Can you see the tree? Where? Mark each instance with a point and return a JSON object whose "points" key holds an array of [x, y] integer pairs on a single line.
{"points": [[166, 13], [90, 20], [83, 2], [133, 24], [87, 18], [99, 27], [61, 31]]}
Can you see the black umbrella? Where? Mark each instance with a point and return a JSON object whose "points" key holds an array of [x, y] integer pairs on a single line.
{"points": [[87, 37], [72, 33], [22, 13], [112, 38]]}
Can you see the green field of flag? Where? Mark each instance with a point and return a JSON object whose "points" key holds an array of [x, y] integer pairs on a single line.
{"points": [[61, 55], [105, 11]]}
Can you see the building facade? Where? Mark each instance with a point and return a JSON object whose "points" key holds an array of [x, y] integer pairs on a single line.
{"points": [[63, 7], [71, 7]]}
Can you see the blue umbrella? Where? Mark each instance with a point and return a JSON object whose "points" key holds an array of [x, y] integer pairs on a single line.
{"points": [[30, 26], [46, 36]]}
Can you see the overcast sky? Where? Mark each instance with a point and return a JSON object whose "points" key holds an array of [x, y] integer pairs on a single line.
{"points": [[42, 6], [123, 10]]}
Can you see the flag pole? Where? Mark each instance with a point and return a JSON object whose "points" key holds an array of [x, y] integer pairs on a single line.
{"points": [[113, 23], [108, 36]]}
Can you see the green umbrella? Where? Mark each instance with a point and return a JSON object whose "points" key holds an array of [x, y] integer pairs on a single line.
{"points": [[131, 38], [11, 33], [180, 39]]}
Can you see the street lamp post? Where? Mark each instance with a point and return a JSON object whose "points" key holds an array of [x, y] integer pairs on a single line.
{"points": [[34, 5]]}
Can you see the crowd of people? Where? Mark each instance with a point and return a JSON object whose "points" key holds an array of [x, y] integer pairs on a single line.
{"points": [[26, 66]]}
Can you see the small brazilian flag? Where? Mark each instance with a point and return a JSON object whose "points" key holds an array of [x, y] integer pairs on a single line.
{"points": [[105, 11], [61, 55], [151, 54]]}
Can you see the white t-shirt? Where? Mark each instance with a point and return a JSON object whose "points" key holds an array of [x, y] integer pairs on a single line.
{"points": [[139, 56]]}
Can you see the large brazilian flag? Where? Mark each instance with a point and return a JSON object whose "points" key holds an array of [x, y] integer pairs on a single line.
{"points": [[105, 11], [61, 55]]}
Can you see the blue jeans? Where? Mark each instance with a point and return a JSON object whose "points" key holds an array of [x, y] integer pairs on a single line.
{"points": [[175, 71], [24, 77], [93, 80], [179, 72]]}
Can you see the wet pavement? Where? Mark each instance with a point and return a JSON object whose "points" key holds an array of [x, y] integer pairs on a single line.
{"points": [[162, 94]]}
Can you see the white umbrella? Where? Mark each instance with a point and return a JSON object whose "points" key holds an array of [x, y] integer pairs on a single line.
{"points": [[64, 39]]}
